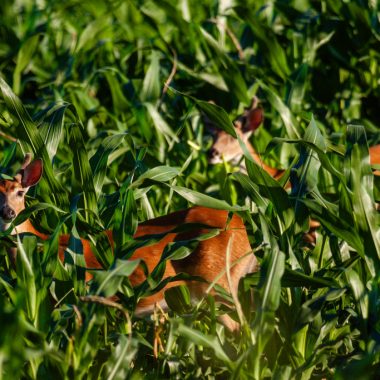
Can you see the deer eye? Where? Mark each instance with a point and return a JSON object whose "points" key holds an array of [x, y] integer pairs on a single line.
{"points": [[20, 193]]}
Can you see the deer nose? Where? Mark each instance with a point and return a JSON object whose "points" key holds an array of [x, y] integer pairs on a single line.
{"points": [[213, 152], [214, 156], [7, 213]]}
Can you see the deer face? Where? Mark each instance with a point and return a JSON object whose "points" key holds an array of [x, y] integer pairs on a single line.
{"points": [[227, 147], [12, 192]]}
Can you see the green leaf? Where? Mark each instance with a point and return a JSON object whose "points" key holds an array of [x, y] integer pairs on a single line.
{"points": [[91, 33], [109, 281], [314, 136], [151, 88], [120, 103], [293, 278], [178, 299], [24, 58], [52, 127], [207, 341], [217, 115], [291, 125], [310, 309], [82, 171], [361, 179], [297, 91], [161, 125], [272, 271], [118, 364], [158, 174], [204, 200], [99, 160], [273, 51]]}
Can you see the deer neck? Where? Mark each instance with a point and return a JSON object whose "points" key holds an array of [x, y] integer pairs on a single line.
{"points": [[3, 226], [27, 227]]}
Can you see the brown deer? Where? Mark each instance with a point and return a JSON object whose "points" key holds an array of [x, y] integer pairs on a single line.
{"points": [[227, 147], [374, 156], [208, 261]]}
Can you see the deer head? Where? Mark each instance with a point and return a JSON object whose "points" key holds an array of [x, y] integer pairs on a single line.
{"points": [[12, 192], [227, 147]]}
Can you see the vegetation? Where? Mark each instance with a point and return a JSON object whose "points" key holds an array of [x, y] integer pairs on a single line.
{"points": [[111, 94]]}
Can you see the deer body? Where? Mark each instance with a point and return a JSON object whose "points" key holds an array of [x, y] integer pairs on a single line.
{"points": [[374, 155], [208, 260]]}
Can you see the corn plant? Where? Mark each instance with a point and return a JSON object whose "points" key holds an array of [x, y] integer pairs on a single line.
{"points": [[113, 96]]}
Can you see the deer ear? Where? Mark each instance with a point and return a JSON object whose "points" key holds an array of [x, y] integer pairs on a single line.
{"points": [[32, 173], [254, 118]]}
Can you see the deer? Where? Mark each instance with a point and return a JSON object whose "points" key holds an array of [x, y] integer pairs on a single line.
{"points": [[226, 147], [374, 157], [209, 260]]}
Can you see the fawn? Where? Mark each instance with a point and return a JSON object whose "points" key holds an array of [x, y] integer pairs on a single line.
{"points": [[208, 260], [227, 147], [374, 155]]}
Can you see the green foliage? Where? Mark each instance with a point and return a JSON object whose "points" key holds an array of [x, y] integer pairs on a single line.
{"points": [[113, 95]]}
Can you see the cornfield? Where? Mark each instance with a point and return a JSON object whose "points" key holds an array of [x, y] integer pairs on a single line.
{"points": [[113, 96]]}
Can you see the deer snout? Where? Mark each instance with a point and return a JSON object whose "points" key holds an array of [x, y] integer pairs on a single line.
{"points": [[212, 153], [7, 213], [214, 156]]}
